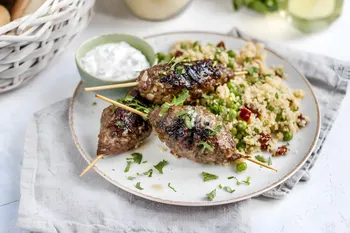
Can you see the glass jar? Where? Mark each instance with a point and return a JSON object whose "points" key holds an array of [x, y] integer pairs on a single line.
{"points": [[157, 10], [311, 15]]}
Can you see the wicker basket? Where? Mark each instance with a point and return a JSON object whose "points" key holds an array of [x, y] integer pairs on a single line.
{"points": [[29, 43]]}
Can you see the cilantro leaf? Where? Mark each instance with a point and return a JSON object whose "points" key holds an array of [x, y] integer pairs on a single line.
{"points": [[230, 177], [161, 165], [211, 195], [207, 176], [220, 186], [260, 158], [214, 131], [252, 70], [138, 186], [171, 187], [179, 101], [149, 172], [94, 103], [131, 177], [269, 161], [137, 157], [127, 168], [229, 189], [206, 146], [246, 181]]}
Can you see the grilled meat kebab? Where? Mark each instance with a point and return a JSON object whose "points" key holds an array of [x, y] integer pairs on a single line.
{"points": [[195, 133], [160, 83], [122, 130]]}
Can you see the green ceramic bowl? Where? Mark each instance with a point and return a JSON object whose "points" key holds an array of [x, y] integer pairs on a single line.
{"points": [[134, 41]]}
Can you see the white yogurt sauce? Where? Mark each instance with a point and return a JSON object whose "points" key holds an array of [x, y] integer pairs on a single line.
{"points": [[115, 62]]}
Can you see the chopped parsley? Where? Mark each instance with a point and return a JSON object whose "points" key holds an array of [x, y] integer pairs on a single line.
{"points": [[149, 172], [179, 101], [171, 187], [160, 166], [220, 186], [211, 195], [247, 181], [261, 158], [207, 176], [188, 117], [269, 161], [131, 177], [119, 123], [215, 63], [277, 96], [180, 70], [144, 161], [127, 168], [162, 72], [137, 157], [138, 186], [230, 177], [252, 70], [134, 103], [94, 103], [206, 146], [229, 189], [214, 131]]}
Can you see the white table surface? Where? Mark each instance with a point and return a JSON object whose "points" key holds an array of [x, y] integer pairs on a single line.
{"points": [[320, 205]]}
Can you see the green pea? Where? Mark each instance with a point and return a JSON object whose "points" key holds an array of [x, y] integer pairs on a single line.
{"points": [[287, 136], [235, 107], [230, 64], [231, 54], [234, 130], [233, 114], [278, 117], [161, 56], [231, 85], [242, 125], [239, 136], [242, 166]]}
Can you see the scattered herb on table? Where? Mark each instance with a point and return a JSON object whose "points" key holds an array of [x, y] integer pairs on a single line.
{"points": [[138, 186], [211, 195], [137, 157], [149, 172], [160, 166], [229, 189], [207, 176], [171, 187], [127, 168]]}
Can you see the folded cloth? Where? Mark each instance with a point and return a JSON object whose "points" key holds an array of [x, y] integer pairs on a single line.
{"points": [[55, 199]]}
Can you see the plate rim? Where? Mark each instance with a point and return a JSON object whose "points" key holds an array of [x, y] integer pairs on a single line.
{"points": [[200, 203]]}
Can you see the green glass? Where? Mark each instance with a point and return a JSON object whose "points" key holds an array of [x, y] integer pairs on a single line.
{"points": [[310, 23]]}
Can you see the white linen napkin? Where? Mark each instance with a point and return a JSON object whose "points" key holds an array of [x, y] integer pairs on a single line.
{"points": [[55, 199]]}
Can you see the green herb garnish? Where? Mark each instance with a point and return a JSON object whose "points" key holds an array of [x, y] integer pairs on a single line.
{"points": [[206, 146], [119, 123], [161, 165], [214, 131], [179, 101], [229, 189], [162, 72], [220, 186], [247, 181], [215, 63], [144, 161], [269, 161], [211, 195], [134, 103], [171, 187], [94, 103], [230, 177], [261, 158], [149, 172], [127, 168], [131, 177], [277, 96], [207, 176], [138, 186], [180, 70], [252, 70], [137, 157]]}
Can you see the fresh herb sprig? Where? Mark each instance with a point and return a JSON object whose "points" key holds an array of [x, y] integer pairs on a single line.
{"points": [[161, 165], [177, 101], [207, 176]]}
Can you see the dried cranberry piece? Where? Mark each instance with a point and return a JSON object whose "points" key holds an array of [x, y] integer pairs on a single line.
{"points": [[245, 114]]}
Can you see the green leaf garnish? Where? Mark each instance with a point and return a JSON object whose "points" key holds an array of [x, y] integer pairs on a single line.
{"points": [[229, 189], [230, 177], [149, 172], [94, 103], [246, 181], [137, 157], [220, 186], [171, 187], [131, 177], [206, 146], [260, 158], [215, 63], [134, 103], [207, 176], [179, 101], [145, 161], [127, 168], [161, 165], [252, 70], [214, 131], [162, 72], [277, 96], [120, 123], [269, 161], [211, 195], [138, 186]]}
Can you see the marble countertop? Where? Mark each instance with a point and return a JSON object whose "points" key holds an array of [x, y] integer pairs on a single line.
{"points": [[320, 205]]}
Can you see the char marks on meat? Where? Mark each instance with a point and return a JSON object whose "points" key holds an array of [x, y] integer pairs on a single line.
{"points": [[161, 82], [186, 142], [121, 130]]}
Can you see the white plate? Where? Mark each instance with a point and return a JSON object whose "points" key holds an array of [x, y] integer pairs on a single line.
{"points": [[184, 175]]}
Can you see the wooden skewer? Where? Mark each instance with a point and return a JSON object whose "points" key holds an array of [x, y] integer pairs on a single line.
{"points": [[106, 87], [91, 164], [133, 84], [260, 163], [146, 116], [122, 106]]}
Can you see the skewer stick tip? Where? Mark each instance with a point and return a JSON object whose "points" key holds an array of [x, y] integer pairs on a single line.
{"points": [[91, 165], [260, 163]]}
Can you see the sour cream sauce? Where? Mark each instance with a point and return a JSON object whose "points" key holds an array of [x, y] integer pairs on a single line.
{"points": [[115, 62]]}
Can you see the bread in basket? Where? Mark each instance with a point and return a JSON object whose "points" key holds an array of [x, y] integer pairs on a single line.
{"points": [[38, 31]]}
